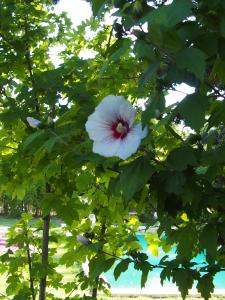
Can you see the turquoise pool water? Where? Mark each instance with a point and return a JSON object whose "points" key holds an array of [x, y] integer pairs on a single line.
{"points": [[132, 278]]}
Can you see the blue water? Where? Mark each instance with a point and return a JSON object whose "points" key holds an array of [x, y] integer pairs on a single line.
{"points": [[132, 278]]}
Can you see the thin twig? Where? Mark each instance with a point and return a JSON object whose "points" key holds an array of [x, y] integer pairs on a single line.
{"points": [[3, 92], [73, 290], [29, 260], [5, 296], [174, 133], [8, 147], [29, 65], [59, 137], [175, 90], [110, 38]]}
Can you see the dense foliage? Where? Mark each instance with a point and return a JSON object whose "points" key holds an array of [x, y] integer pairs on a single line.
{"points": [[175, 181]]}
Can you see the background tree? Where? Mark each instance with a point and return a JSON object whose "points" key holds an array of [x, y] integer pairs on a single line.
{"points": [[174, 181]]}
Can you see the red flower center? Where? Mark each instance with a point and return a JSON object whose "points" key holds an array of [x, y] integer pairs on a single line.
{"points": [[120, 129]]}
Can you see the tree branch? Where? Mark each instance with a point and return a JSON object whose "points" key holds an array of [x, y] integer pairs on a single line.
{"points": [[8, 147], [110, 38]]}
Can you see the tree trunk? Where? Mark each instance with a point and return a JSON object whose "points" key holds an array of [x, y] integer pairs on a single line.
{"points": [[45, 241]]}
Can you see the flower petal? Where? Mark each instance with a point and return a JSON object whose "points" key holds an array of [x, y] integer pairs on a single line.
{"points": [[127, 112], [97, 128], [113, 107], [107, 147], [108, 109], [138, 131], [128, 146]]}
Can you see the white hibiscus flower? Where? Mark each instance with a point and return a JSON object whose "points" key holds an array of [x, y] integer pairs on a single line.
{"points": [[112, 128], [34, 123]]}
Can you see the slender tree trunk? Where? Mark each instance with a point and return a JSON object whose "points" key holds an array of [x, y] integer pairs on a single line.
{"points": [[5, 207], [45, 241], [29, 260], [95, 290]]}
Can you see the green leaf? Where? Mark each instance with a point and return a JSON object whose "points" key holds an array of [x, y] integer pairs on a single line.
{"points": [[218, 155], [49, 144], [218, 70], [180, 158], [221, 228], [156, 35], [99, 265], [155, 107], [218, 114], [68, 116], [32, 137], [193, 60], [187, 239], [134, 176], [144, 275], [153, 242], [184, 280], [121, 50], [47, 203], [165, 275], [193, 109], [19, 191], [145, 267], [84, 181], [10, 117], [208, 239], [144, 50], [98, 6], [205, 286], [207, 42], [67, 209], [222, 26], [148, 74], [172, 41], [170, 15], [116, 51], [68, 258], [174, 183], [96, 247], [23, 294], [121, 267]]}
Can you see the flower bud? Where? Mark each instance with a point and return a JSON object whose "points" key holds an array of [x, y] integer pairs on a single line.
{"points": [[82, 239], [34, 123]]}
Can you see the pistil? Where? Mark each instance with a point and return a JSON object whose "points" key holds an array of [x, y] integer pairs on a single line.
{"points": [[120, 128]]}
